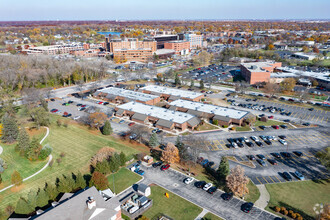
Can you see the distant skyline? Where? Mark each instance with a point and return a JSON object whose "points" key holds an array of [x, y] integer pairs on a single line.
{"points": [[33, 10]]}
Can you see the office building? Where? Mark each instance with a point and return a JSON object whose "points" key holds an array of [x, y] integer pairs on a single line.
{"points": [[256, 72]]}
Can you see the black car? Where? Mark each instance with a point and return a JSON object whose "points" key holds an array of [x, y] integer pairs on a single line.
{"points": [[287, 176], [276, 155], [251, 157], [227, 196], [283, 126], [70, 102], [268, 142], [262, 157], [306, 124], [262, 127], [200, 184], [311, 109], [286, 120], [250, 144], [106, 103], [246, 207], [157, 164], [272, 162], [228, 95], [212, 190], [298, 153], [52, 100], [282, 137], [259, 143], [285, 154], [78, 104]]}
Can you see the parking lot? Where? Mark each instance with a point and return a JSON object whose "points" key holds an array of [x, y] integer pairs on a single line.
{"points": [[209, 73], [304, 113]]}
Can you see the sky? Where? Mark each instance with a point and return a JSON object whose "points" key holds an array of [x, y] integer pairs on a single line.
{"points": [[31, 10]]}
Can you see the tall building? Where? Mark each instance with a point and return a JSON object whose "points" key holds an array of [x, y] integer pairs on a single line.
{"points": [[258, 71], [179, 46], [161, 39], [195, 40]]}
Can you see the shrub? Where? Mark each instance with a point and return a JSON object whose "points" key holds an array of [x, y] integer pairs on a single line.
{"points": [[300, 218], [285, 212], [45, 152], [277, 209], [225, 126], [293, 215], [62, 154], [65, 124], [59, 122], [298, 215], [215, 122], [283, 209], [58, 160], [290, 212]]}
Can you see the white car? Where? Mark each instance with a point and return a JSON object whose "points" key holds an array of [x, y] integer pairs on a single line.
{"points": [[283, 142], [255, 138], [246, 139], [207, 186], [234, 145], [76, 117], [188, 180]]}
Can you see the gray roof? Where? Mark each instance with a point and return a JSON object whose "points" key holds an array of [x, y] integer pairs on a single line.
{"points": [[164, 123], [128, 94], [172, 108], [120, 111], [221, 118], [139, 116], [142, 187], [75, 208], [111, 96], [194, 121], [194, 112]]}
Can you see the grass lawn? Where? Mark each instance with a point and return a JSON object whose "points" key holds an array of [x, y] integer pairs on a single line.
{"points": [[300, 197], [78, 144], [206, 126], [268, 123], [174, 206], [124, 178], [210, 216], [246, 128], [254, 193]]}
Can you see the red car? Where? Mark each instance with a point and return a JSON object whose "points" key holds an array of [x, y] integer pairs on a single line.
{"points": [[276, 127], [83, 106], [131, 124], [54, 110], [271, 117], [100, 103], [165, 167]]}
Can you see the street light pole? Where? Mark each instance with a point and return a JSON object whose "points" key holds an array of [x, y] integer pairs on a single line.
{"points": [[114, 188]]}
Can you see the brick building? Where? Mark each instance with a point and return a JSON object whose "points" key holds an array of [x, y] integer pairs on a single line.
{"points": [[258, 71], [180, 47]]}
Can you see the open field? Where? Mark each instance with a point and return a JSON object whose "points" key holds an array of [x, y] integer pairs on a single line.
{"points": [[174, 206], [124, 178], [78, 145], [300, 196]]}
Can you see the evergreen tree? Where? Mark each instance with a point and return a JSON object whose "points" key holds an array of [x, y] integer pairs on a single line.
{"points": [[0, 179], [23, 207], [23, 144], [34, 150], [32, 199], [122, 159], [107, 129], [192, 84], [9, 129], [51, 191], [64, 184], [42, 198], [114, 164], [80, 181], [201, 84], [223, 170], [103, 167], [177, 79], [153, 141], [16, 178]]}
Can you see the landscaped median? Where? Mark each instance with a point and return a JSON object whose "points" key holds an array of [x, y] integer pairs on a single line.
{"points": [[174, 206]]}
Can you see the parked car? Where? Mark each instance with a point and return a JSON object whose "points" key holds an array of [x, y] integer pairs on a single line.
{"points": [[285, 154], [268, 142], [271, 117], [82, 109], [212, 190], [255, 138], [298, 153], [299, 175], [54, 110], [247, 207], [188, 180], [261, 162], [76, 117], [121, 121], [133, 137], [165, 167], [276, 127], [141, 172], [53, 100], [157, 164], [287, 176], [282, 141], [227, 196], [262, 127], [251, 157], [207, 186], [70, 102], [282, 137], [99, 102], [283, 126], [272, 162], [276, 155], [200, 184], [204, 162], [106, 103], [131, 124], [262, 157], [259, 143]]}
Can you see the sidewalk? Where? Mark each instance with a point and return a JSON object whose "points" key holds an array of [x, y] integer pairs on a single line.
{"points": [[264, 198], [201, 215]]}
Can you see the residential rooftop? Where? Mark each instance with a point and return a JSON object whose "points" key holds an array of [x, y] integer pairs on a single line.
{"points": [[129, 94], [171, 91], [157, 112], [212, 109]]}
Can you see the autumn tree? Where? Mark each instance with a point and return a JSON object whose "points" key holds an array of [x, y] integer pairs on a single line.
{"points": [[270, 47], [315, 83], [170, 154], [325, 214], [288, 84], [140, 131], [202, 59], [237, 181], [316, 50], [103, 154], [97, 119], [99, 181], [16, 178], [305, 49], [9, 129]]}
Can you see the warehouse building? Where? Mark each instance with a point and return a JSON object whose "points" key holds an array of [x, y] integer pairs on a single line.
{"points": [[225, 116], [161, 118], [170, 94], [120, 96]]}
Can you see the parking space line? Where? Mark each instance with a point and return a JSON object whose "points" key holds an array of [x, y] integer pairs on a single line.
{"points": [[278, 179], [265, 179], [271, 179], [258, 180]]}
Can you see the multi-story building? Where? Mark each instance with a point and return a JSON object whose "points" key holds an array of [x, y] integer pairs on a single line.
{"points": [[161, 39], [258, 71], [53, 49], [131, 43], [143, 55], [181, 47], [195, 40]]}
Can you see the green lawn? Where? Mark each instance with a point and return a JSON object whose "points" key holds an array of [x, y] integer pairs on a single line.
{"points": [[268, 123], [246, 128], [79, 145], [124, 178], [206, 127], [299, 196], [210, 216], [254, 193], [174, 206]]}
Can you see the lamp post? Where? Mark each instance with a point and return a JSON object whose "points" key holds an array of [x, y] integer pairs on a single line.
{"points": [[113, 175]]}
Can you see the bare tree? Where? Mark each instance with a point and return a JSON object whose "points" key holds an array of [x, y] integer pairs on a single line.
{"points": [[272, 88], [237, 181], [141, 131], [195, 145]]}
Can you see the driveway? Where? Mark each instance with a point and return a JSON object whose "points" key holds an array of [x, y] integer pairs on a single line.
{"points": [[173, 181]]}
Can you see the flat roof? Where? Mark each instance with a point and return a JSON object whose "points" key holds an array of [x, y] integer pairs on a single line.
{"points": [[171, 91], [299, 73], [212, 109], [157, 112], [128, 94], [257, 66]]}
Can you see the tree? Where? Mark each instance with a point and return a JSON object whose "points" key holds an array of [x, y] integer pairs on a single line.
{"points": [[223, 171], [23, 144], [170, 154], [153, 141], [305, 49], [325, 215], [97, 119], [177, 79], [23, 207], [270, 47], [103, 154], [0, 179], [237, 181], [122, 158], [107, 129], [9, 129], [272, 88], [16, 178], [288, 84], [192, 84], [42, 198], [315, 83], [316, 50], [201, 84], [51, 191], [34, 149], [103, 167], [39, 116], [202, 59], [324, 157], [80, 181], [65, 184], [140, 131], [45, 152], [99, 181]]}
